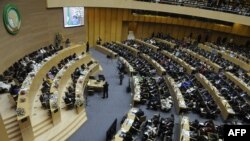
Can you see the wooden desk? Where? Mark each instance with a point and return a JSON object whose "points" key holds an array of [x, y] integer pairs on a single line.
{"points": [[31, 86], [82, 82], [92, 83], [238, 82], [160, 70], [127, 124], [172, 45], [184, 64], [222, 103], [242, 58], [136, 93], [133, 50], [184, 129], [155, 48], [215, 66], [226, 56], [106, 51], [176, 94], [129, 68], [59, 83]]}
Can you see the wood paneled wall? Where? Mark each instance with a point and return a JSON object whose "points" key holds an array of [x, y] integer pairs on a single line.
{"points": [[114, 24], [145, 30], [38, 29], [151, 6], [103, 22]]}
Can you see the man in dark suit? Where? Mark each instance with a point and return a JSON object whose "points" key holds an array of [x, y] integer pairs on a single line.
{"points": [[105, 90], [121, 76], [87, 46]]}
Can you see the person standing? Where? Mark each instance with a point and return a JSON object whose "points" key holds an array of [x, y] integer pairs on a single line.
{"points": [[121, 77], [87, 46], [99, 41], [105, 90]]}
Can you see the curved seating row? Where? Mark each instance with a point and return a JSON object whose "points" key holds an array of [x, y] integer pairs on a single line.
{"points": [[160, 70], [128, 67], [31, 87], [113, 54], [242, 83], [223, 104], [106, 51], [184, 129], [176, 101], [83, 81], [169, 55], [225, 111], [160, 100], [172, 45], [179, 102], [133, 50], [81, 84], [59, 84], [229, 52], [188, 67], [227, 56], [215, 66], [26, 98], [175, 92]]}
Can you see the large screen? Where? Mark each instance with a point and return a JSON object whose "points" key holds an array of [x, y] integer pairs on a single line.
{"points": [[73, 16]]}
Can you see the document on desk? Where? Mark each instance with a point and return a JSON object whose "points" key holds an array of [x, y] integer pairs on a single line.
{"points": [[133, 110], [185, 133]]}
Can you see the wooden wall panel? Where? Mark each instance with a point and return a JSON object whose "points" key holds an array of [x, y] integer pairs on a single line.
{"points": [[141, 18], [114, 15], [125, 15], [91, 18], [103, 23], [38, 29], [108, 25], [124, 30], [119, 25], [157, 28], [97, 23], [86, 23], [139, 30], [174, 31], [111, 26]]}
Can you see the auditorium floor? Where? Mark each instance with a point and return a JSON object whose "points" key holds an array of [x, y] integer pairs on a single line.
{"points": [[102, 112]]}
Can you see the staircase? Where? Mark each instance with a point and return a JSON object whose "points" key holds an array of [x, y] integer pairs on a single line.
{"points": [[12, 127], [42, 127], [78, 122]]}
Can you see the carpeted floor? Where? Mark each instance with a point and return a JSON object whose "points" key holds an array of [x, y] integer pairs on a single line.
{"points": [[102, 112]]}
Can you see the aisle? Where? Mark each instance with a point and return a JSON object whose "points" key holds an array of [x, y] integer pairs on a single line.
{"points": [[102, 112]]}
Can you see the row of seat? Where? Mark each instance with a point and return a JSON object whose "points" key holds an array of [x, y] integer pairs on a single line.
{"points": [[50, 71], [239, 52], [190, 89]]}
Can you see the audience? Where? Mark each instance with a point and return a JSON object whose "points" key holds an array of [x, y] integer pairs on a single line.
{"points": [[202, 131], [11, 80], [158, 127], [235, 6], [47, 83], [236, 97], [225, 64]]}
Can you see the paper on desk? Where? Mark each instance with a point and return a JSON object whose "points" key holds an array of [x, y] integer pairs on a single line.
{"points": [[134, 110], [185, 133]]}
